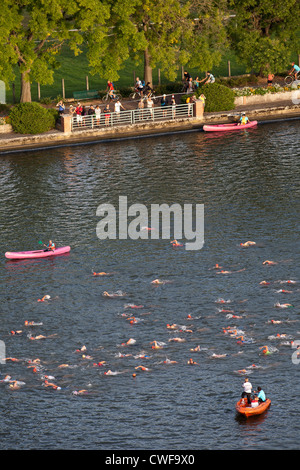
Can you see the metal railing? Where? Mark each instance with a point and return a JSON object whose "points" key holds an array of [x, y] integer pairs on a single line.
{"points": [[134, 116]]}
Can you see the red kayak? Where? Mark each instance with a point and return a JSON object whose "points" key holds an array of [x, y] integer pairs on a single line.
{"points": [[228, 127], [37, 253], [248, 411]]}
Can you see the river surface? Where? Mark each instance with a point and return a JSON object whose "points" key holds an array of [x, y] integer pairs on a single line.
{"points": [[249, 185]]}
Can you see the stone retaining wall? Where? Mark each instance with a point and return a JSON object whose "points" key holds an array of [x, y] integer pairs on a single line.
{"points": [[292, 96]]}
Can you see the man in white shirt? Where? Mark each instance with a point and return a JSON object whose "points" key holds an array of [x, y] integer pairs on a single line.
{"points": [[247, 386], [118, 107]]}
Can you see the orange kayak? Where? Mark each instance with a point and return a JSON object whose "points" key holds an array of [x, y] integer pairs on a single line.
{"points": [[247, 411]]}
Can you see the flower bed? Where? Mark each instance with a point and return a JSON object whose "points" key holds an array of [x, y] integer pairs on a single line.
{"points": [[5, 126], [274, 93], [251, 91]]}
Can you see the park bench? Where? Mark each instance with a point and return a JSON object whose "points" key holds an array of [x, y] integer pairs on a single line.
{"points": [[85, 95]]}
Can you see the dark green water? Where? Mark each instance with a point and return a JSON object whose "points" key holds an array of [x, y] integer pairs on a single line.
{"points": [[249, 185]]}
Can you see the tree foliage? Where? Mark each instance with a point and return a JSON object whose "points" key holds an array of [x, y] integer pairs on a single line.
{"points": [[264, 32], [32, 33]]}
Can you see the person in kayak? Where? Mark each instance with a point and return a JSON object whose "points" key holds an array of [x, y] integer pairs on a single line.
{"points": [[51, 246], [243, 119]]}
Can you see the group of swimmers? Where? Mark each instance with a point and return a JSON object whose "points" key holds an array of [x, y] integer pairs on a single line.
{"points": [[181, 333]]}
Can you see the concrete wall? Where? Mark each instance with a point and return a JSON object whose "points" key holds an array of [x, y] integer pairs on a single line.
{"points": [[291, 96]]}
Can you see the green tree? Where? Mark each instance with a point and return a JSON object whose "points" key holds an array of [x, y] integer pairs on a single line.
{"points": [[264, 32], [32, 33], [161, 33], [180, 33]]}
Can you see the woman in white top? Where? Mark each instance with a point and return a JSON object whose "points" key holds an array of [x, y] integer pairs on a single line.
{"points": [[97, 114], [118, 107]]}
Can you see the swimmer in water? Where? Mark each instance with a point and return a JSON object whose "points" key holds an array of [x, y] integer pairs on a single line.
{"points": [[133, 306], [168, 361], [110, 372], [142, 368], [264, 283], [265, 350], [160, 282], [176, 243], [196, 349], [222, 301], [129, 342], [41, 337], [192, 362], [116, 294], [13, 359], [50, 384], [270, 263], [100, 364], [279, 305], [157, 345], [46, 297], [102, 274], [230, 272], [246, 244], [16, 384], [80, 392]]}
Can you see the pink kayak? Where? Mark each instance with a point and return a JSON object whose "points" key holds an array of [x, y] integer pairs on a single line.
{"points": [[37, 253], [228, 127]]}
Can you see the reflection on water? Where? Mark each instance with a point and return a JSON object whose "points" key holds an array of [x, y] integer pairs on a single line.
{"points": [[249, 185]]}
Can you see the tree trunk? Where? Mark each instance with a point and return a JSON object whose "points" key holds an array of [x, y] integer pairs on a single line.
{"points": [[147, 68], [25, 87]]}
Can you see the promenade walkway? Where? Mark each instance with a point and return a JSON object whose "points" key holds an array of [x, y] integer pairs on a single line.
{"points": [[262, 112]]}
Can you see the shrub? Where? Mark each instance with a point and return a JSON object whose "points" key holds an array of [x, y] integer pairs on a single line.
{"points": [[31, 118], [218, 97]]}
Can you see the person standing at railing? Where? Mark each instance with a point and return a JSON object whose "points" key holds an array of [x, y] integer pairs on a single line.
{"points": [[98, 114], [118, 107], [107, 114], [79, 111], [91, 113], [150, 106], [190, 87], [164, 104], [141, 109], [173, 104], [61, 107]]}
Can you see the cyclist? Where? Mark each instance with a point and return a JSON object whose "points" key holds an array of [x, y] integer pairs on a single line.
{"points": [[295, 70], [147, 90], [110, 89], [139, 86]]}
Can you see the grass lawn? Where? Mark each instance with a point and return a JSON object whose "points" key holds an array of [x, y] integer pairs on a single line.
{"points": [[75, 69]]}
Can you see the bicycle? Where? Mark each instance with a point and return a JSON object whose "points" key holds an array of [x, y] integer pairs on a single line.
{"points": [[289, 79], [107, 97], [137, 95]]}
